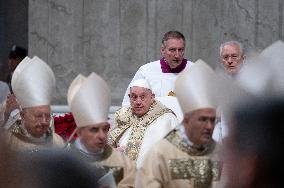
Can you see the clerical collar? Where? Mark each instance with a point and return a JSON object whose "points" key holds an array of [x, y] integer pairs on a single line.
{"points": [[79, 145], [181, 132], [167, 69]]}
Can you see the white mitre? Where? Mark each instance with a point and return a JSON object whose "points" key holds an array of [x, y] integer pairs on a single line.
{"points": [[89, 100], [33, 83], [195, 88], [263, 74]]}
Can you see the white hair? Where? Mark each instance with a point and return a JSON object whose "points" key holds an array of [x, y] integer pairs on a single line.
{"points": [[232, 42]]}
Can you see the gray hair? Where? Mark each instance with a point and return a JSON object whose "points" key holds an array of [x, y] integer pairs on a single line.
{"points": [[172, 35], [232, 42]]}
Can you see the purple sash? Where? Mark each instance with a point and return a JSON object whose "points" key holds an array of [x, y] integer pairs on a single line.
{"points": [[167, 69]]}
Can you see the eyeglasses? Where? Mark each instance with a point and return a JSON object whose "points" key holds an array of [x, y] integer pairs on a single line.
{"points": [[233, 57]]}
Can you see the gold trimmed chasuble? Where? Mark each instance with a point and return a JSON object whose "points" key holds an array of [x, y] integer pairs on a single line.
{"points": [[173, 163], [124, 119]]}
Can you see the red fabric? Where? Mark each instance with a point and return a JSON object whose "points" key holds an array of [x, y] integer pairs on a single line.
{"points": [[64, 126]]}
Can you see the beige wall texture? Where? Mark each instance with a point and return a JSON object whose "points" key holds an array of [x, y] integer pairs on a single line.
{"points": [[114, 37]]}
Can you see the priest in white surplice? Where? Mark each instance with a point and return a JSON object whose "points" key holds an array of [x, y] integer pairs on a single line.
{"points": [[142, 124], [162, 73]]}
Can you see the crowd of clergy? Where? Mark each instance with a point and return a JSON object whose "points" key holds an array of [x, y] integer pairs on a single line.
{"points": [[181, 123]]}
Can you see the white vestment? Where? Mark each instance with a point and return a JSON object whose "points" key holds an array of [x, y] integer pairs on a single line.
{"points": [[161, 83], [155, 131], [220, 130], [144, 131]]}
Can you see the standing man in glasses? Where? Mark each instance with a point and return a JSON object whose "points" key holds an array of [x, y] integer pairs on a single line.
{"points": [[232, 57], [142, 124], [33, 83]]}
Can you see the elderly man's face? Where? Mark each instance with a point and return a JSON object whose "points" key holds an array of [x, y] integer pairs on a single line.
{"points": [[231, 58], [173, 51], [140, 100], [36, 120], [94, 137], [199, 125]]}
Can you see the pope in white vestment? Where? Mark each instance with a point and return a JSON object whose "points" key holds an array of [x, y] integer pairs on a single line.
{"points": [[136, 132]]}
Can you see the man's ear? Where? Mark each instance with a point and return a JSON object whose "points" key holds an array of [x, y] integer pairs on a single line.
{"points": [[186, 118], [162, 49], [79, 131]]}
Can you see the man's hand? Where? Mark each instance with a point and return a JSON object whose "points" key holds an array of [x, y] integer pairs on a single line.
{"points": [[11, 104]]}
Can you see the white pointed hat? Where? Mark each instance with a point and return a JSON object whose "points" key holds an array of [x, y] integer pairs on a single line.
{"points": [[89, 100], [195, 88], [263, 74], [21, 66], [33, 83]]}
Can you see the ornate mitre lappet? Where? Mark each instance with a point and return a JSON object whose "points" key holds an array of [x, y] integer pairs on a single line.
{"points": [[89, 100], [33, 83], [195, 88]]}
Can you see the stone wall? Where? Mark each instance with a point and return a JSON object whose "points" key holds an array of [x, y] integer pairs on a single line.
{"points": [[13, 29], [114, 37]]}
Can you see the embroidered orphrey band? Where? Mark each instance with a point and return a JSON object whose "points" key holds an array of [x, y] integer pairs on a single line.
{"points": [[125, 119], [201, 171]]}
